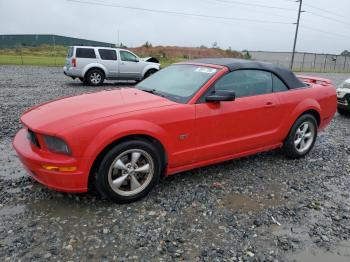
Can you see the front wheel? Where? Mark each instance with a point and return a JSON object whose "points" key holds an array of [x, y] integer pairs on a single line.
{"points": [[129, 171], [301, 137], [149, 73]]}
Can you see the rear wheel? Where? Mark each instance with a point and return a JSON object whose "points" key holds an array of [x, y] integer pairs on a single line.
{"points": [[150, 72], [129, 171], [302, 137], [95, 77]]}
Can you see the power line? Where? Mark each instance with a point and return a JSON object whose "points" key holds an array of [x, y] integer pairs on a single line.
{"points": [[260, 12], [326, 11], [322, 10], [256, 5], [328, 18], [177, 12], [325, 32]]}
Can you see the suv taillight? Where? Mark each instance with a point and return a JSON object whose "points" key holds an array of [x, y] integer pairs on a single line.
{"points": [[74, 62]]}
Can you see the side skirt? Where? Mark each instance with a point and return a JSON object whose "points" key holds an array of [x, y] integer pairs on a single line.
{"points": [[171, 171]]}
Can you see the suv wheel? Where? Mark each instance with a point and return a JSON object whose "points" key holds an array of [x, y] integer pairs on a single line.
{"points": [[95, 77], [129, 171], [302, 137], [149, 73]]}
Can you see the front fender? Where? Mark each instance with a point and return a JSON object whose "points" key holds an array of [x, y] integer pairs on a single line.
{"points": [[148, 67], [95, 65], [122, 129]]}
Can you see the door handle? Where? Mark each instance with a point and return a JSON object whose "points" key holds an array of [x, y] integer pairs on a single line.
{"points": [[270, 104]]}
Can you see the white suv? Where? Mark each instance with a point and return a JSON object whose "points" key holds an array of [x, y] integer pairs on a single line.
{"points": [[92, 65]]}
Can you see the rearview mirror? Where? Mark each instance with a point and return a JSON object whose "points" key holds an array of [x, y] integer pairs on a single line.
{"points": [[221, 95]]}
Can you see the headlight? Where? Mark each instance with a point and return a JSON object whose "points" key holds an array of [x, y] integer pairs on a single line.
{"points": [[57, 145]]}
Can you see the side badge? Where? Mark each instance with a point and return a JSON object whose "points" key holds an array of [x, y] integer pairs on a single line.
{"points": [[183, 136]]}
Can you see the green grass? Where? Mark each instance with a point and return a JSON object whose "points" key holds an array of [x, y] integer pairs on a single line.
{"points": [[58, 61], [32, 60]]}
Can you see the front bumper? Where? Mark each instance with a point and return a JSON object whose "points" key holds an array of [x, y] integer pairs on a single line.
{"points": [[33, 158], [344, 102]]}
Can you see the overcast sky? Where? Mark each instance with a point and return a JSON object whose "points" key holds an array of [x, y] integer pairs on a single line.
{"points": [[320, 31]]}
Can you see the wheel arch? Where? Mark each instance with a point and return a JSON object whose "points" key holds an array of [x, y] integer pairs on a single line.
{"points": [[307, 106], [149, 67], [143, 137], [121, 131], [95, 66], [314, 113]]}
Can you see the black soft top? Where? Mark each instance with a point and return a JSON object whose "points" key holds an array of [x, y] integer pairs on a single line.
{"points": [[286, 75]]}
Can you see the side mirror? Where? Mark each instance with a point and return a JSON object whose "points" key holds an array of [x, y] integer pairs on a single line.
{"points": [[221, 95]]}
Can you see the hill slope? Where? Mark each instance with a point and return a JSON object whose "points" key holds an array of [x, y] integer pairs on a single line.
{"points": [[12, 41]]}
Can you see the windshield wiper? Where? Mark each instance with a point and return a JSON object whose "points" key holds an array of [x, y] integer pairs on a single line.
{"points": [[153, 91]]}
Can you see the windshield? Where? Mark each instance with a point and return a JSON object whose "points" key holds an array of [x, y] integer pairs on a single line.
{"points": [[345, 84], [177, 82]]}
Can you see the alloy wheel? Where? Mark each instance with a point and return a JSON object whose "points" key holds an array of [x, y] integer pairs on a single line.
{"points": [[304, 136], [131, 172], [95, 78]]}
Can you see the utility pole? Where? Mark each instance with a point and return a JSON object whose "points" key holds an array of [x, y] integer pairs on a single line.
{"points": [[118, 39], [54, 47], [296, 33]]}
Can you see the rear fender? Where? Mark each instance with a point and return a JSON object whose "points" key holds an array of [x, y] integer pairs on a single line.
{"points": [[95, 65], [301, 108]]}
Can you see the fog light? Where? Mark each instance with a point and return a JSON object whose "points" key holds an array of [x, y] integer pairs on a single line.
{"points": [[60, 168]]}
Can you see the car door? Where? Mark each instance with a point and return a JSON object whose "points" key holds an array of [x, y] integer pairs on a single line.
{"points": [[130, 66], [247, 123], [109, 59]]}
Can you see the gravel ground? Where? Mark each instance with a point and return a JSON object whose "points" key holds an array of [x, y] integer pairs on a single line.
{"points": [[258, 208]]}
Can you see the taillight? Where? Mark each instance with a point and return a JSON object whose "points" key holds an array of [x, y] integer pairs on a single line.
{"points": [[74, 62]]}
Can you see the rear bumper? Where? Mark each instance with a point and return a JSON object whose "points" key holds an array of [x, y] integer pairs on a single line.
{"points": [[33, 158], [72, 72]]}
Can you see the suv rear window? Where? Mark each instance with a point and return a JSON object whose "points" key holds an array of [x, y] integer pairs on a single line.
{"points": [[70, 52], [107, 54], [85, 53]]}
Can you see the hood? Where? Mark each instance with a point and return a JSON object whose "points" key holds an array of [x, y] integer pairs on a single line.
{"points": [[57, 115], [150, 59]]}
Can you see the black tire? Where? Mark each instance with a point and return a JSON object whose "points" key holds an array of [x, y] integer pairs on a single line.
{"points": [[83, 80], [290, 147], [343, 111], [107, 175], [95, 77], [150, 72]]}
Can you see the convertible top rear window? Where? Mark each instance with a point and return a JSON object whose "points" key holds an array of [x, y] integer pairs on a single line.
{"points": [[178, 82]]}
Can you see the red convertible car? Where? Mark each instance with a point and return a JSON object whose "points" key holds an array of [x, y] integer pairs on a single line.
{"points": [[185, 116]]}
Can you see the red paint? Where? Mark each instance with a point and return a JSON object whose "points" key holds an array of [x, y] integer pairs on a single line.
{"points": [[214, 132]]}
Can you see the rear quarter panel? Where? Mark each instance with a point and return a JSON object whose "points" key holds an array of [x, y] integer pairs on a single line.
{"points": [[295, 102]]}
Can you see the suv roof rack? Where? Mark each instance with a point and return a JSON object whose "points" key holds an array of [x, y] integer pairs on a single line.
{"points": [[95, 45]]}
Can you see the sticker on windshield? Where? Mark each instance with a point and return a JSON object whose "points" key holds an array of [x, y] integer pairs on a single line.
{"points": [[205, 70]]}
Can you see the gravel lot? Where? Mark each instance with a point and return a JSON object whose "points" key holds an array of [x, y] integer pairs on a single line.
{"points": [[258, 208]]}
